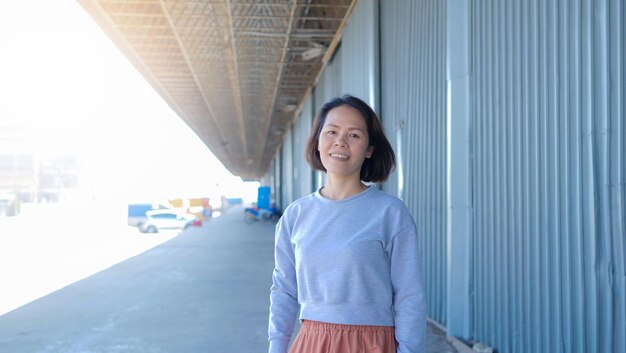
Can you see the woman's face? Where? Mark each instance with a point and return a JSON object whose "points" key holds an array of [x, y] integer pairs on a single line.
{"points": [[344, 143]]}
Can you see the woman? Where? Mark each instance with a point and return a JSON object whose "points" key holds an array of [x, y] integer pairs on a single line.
{"points": [[347, 255]]}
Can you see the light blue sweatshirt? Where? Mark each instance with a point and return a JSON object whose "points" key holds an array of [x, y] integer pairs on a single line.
{"points": [[353, 261]]}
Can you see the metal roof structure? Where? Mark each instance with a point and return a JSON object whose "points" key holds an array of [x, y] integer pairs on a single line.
{"points": [[236, 71]]}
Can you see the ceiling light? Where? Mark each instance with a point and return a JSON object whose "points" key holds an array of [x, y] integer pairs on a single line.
{"points": [[312, 53], [289, 108]]}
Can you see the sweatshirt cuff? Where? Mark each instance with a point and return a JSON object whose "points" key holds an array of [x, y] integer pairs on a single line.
{"points": [[279, 346]]}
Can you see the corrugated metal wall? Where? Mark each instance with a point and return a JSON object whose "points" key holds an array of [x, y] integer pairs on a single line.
{"points": [[549, 175], [413, 74], [354, 66], [329, 83], [302, 172], [548, 167], [275, 175], [327, 87], [286, 188], [359, 69]]}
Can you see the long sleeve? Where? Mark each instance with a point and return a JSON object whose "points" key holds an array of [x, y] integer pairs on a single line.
{"points": [[284, 293], [409, 301]]}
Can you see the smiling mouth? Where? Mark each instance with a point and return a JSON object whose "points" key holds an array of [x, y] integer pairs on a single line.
{"points": [[339, 156]]}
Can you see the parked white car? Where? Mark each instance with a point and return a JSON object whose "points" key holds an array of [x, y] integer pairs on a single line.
{"points": [[157, 220]]}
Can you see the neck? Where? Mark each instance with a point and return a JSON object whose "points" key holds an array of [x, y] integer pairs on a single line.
{"points": [[339, 189]]}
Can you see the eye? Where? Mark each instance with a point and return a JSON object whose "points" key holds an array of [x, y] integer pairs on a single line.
{"points": [[330, 132], [355, 136]]}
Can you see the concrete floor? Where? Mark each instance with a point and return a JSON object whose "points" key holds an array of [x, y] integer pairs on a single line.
{"points": [[204, 291]]}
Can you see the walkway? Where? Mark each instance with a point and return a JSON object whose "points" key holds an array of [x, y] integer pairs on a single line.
{"points": [[204, 291]]}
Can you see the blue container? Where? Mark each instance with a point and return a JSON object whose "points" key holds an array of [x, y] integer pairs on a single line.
{"points": [[139, 210], [264, 197]]}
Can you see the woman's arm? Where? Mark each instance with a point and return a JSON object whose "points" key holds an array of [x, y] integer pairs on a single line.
{"points": [[409, 301], [284, 292]]}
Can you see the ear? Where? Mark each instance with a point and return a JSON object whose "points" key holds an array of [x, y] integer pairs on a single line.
{"points": [[370, 151]]}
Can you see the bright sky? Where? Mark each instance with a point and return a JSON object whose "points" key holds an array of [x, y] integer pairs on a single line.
{"points": [[63, 80]]}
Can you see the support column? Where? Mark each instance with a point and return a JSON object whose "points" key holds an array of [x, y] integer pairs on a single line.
{"points": [[459, 201]]}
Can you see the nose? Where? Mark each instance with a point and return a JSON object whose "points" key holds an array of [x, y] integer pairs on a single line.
{"points": [[340, 141]]}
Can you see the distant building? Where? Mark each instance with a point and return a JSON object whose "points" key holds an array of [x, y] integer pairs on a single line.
{"points": [[27, 175]]}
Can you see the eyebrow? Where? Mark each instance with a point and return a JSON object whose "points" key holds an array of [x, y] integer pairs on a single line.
{"points": [[350, 128]]}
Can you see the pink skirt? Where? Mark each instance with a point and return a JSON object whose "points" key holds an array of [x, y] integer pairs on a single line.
{"points": [[322, 337]]}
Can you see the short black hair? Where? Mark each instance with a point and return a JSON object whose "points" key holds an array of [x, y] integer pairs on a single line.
{"points": [[374, 169]]}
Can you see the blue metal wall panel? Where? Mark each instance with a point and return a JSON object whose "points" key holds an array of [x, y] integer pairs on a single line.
{"points": [[354, 66], [329, 84], [302, 172], [327, 87], [548, 175], [359, 46], [287, 169], [277, 178], [413, 74], [616, 146]]}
